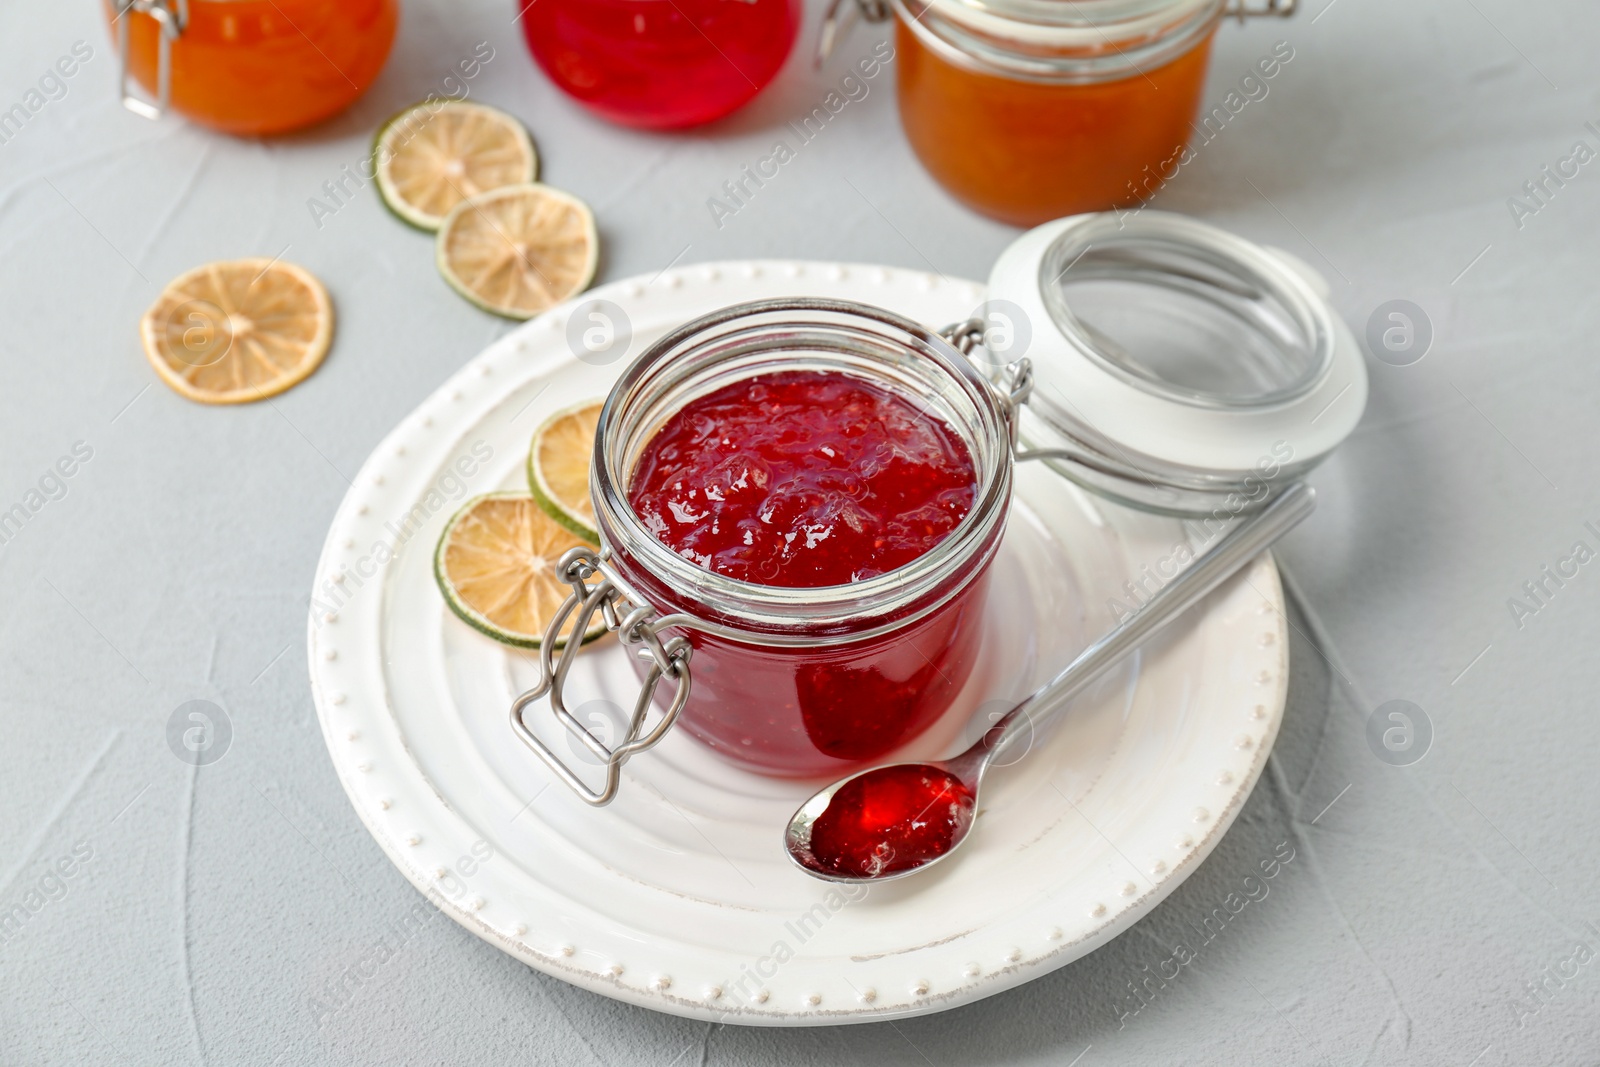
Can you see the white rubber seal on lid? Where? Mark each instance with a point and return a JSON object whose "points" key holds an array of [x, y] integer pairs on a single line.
{"points": [[1134, 386]]}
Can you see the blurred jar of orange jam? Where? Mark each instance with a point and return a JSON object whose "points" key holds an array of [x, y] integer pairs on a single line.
{"points": [[1029, 110], [255, 66]]}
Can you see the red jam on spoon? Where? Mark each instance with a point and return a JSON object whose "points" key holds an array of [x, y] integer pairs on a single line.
{"points": [[890, 820]]}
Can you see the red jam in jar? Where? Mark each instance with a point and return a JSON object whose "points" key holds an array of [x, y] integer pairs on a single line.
{"points": [[802, 478], [813, 491], [661, 64]]}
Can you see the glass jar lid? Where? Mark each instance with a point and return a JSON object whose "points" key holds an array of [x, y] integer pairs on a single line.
{"points": [[1176, 366]]}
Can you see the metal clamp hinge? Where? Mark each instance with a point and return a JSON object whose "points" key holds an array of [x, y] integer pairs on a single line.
{"points": [[1015, 385], [634, 625], [172, 18], [835, 22], [1241, 9]]}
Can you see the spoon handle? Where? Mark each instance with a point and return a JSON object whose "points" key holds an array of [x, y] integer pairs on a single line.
{"points": [[1238, 547]]}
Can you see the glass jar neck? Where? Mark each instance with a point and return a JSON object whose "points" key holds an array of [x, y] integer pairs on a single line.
{"points": [[1056, 42], [747, 340]]}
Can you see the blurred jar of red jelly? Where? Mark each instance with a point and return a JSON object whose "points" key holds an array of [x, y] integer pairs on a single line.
{"points": [[661, 64]]}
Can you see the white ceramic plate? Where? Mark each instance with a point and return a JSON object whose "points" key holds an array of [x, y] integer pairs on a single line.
{"points": [[678, 896]]}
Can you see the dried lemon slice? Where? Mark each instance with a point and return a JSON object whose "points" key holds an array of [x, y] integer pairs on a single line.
{"points": [[432, 156], [519, 250], [558, 467], [240, 330], [496, 565]]}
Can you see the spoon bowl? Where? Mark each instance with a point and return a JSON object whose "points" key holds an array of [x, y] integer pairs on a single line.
{"points": [[835, 835]]}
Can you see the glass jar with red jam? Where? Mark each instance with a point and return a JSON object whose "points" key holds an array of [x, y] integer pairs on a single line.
{"points": [[661, 64], [798, 500], [816, 490]]}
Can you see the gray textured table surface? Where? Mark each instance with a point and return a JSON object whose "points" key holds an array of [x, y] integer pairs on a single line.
{"points": [[1438, 913]]}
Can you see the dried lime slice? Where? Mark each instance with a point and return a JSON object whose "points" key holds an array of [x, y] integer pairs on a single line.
{"points": [[496, 566], [240, 330], [432, 156], [519, 250], [558, 467]]}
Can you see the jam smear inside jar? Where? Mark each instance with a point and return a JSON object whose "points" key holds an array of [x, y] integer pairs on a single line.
{"points": [[825, 485]]}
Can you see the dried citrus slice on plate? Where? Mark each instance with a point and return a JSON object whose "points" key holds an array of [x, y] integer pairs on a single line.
{"points": [[519, 250], [432, 156], [558, 467], [496, 565], [239, 330]]}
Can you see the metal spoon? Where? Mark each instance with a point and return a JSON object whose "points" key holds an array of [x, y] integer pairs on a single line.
{"points": [[1237, 548]]}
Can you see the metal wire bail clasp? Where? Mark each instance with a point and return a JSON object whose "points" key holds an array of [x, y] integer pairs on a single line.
{"points": [[836, 23], [640, 626], [172, 18], [1015, 385], [1241, 10]]}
